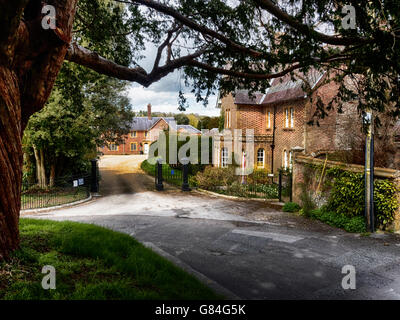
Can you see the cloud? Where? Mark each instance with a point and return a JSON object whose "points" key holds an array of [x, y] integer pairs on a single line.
{"points": [[167, 101], [163, 94]]}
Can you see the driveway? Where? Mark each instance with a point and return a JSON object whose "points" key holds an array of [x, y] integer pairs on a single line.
{"points": [[240, 248]]}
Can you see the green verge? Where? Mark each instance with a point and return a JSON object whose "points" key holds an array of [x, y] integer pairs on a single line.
{"points": [[350, 224], [167, 176], [91, 263]]}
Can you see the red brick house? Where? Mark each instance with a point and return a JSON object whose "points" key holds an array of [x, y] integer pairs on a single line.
{"points": [[279, 118], [144, 131]]}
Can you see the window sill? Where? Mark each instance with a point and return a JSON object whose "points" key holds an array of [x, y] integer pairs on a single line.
{"points": [[289, 129]]}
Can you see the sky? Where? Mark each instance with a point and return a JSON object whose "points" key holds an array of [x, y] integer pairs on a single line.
{"points": [[163, 95]]}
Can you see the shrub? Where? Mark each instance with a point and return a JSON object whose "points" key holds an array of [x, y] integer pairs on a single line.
{"points": [[259, 176], [269, 190], [385, 201], [291, 207], [348, 194], [212, 177], [350, 224], [237, 189]]}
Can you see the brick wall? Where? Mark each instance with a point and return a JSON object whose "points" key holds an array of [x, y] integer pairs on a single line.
{"points": [[335, 131], [255, 117], [154, 132], [251, 117], [288, 138]]}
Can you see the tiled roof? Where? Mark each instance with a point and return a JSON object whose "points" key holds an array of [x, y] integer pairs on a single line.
{"points": [[188, 128], [242, 97], [212, 132], [144, 124], [282, 89]]}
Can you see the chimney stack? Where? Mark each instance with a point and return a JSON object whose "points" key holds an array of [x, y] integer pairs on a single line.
{"points": [[149, 111]]}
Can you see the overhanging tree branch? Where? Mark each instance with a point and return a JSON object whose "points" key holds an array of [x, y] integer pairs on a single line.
{"points": [[195, 26], [94, 61], [306, 30]]}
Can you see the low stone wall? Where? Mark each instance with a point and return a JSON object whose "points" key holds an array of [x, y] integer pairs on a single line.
{"points": [[299, 169]]}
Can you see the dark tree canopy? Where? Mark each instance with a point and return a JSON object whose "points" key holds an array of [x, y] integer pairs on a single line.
{"points": [[230, 44]]}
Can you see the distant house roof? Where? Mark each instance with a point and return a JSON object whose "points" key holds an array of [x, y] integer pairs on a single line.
{"points": [[282, 89], [188, 128], [144, 124], [212, 132]]}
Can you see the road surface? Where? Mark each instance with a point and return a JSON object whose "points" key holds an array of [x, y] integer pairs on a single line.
{"points": [[240, 248]]}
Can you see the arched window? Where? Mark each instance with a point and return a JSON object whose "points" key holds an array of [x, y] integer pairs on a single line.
{"points": [[260, 158], [290, 160], [224, 157]]}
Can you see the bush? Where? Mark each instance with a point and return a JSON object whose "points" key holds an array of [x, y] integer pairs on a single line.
{"points": [[259, 176], [350, 224], [237, 189], [271, 191], [385, 201], [348, 194], [212, 177], [291, 207]]}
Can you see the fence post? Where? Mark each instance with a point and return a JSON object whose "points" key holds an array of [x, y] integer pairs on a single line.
{"points": [[185, 183], [94, 185], [159, 177], [280, 186]]}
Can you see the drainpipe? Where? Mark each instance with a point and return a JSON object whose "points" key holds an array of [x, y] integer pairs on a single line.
{"points": [[273, 142]]}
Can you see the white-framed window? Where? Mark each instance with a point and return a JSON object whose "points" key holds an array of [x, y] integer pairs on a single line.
{"points": [[113, 147], [286, 118], [285, 159], [224, 157], [289, 118], [146, 134], [292, 117], [260, 158], [133, 134], [228, 118], [133, 146], [268, 119], [290, 160]]}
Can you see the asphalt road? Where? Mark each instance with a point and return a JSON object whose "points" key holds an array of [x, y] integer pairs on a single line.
{"points": [[242, 249]]}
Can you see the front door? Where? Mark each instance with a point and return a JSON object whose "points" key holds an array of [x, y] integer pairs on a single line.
{"points": [[146, 148]]}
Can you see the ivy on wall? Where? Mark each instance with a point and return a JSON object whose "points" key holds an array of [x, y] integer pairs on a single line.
{"points": [[347, 194]]}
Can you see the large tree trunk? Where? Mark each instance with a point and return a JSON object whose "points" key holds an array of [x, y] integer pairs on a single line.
{"points": [[11, 160], [30, 59]]}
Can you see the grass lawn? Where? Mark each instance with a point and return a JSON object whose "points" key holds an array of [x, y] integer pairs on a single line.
{"points": [[91, 263], [170, 175]]}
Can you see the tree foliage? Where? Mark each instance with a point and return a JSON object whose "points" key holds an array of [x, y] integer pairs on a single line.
{"points": [[73, 123], [225, 45]]}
